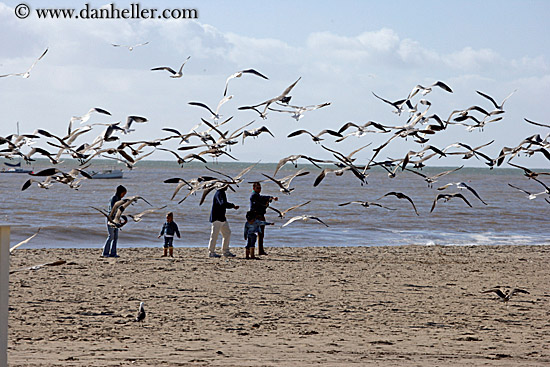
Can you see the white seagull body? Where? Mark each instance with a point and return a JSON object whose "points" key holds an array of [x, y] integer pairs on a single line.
{"points": [[27, 73], [175, 74]]}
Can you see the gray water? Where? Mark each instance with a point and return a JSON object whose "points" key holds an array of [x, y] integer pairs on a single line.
{"points": [[67, 221]]}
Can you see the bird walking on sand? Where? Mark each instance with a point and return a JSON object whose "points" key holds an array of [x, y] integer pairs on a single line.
{"points": [[141, 313], [507, 294]]}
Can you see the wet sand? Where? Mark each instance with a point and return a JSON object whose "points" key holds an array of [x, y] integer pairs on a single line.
{"points": [[387, 306]]}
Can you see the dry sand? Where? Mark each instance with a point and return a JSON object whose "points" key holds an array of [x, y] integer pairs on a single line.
{"points": [[388, 306]]}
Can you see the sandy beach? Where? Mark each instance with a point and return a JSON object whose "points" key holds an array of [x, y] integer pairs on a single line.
{"points": [[388, 306]]}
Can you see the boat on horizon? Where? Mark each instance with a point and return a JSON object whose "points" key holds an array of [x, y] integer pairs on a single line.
{"points": [[14, 168], [106, 174]]}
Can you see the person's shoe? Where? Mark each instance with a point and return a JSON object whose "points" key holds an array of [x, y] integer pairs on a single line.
{"points": [[228, 254], [262, 253], [213, 254], [114, 256]]}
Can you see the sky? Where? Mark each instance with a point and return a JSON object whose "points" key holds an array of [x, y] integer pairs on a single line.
{"points": [[343, 51]]}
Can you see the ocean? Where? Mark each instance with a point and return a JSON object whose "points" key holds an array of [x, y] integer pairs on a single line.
{"points": [[66, 219]]}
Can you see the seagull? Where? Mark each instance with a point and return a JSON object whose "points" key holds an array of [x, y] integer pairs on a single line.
{"points": [[530, 196], [424, 90], [305, 218], [86, 116], [283, 212], [24, 241], [175, 74], [462, 185], [398, 105], [215, 115], [298, 111], [527, 172], [432, 179], [324, 172], [294, 158], [498, 107], [138, 217], [400, 195], [27, 73], [448, 197], [130, 48], [316, 138], [283, 97], [141, 314], [361, 129], [536, 123], [115, 214], [506, 295], [182, 160], [131, 119], [46, 184], [365, 204], [238, 74], [284, 183], [256, 132]]}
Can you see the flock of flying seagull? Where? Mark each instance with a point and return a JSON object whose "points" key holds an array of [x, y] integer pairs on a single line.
{"points": [[209, 138]]}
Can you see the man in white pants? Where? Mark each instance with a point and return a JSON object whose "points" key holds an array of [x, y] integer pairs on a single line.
{"points": [[220, 224]]}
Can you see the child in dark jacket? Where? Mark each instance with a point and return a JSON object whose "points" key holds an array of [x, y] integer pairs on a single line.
{"points": [[169, 229], [252, 227]]}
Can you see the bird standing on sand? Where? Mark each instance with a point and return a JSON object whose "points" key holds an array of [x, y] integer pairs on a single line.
{"points": [[141, 314]]}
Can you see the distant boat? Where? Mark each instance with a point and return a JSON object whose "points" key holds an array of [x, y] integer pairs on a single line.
{"points": [[14, 168], [106, 174]]}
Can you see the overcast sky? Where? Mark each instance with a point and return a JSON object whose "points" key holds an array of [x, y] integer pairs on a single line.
{"points": [[343, 51]]}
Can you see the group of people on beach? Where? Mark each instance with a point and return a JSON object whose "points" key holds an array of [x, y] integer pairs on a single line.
{"points": [[254, 227]]}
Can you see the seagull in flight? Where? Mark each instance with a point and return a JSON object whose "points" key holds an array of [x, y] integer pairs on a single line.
{"points": [[175, 74], [462, 185], [304, 218], [27, 73], [215, 115], [536, 123], [400, 195], [130, 47], [507, 294], [499, 108], [24, 241], [84, 118], [448, 197], [283, 97], [424, 90], [283, 212], [238, 74], [530, 195], [365, 204], [316, 138]]}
